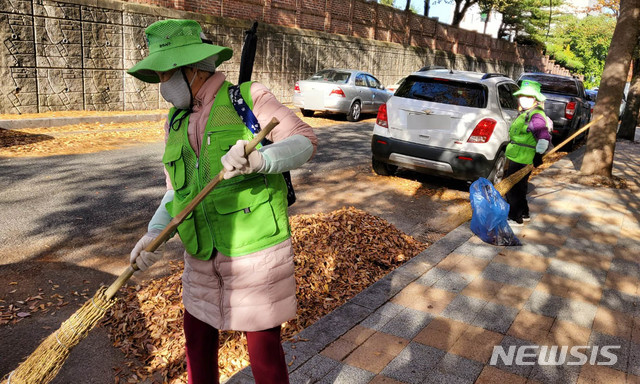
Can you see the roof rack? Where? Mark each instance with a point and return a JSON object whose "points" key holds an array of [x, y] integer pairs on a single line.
{"points": [[431, 67], [490, 75]]}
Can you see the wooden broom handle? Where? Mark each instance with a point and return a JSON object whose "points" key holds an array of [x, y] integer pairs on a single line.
{"points": [[179, 218], [576, 133]]}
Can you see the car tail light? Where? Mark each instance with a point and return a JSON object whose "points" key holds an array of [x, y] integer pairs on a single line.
{"points": [[337, 91], [483, 131], [570, 110], [296, 89], [381, 120]]}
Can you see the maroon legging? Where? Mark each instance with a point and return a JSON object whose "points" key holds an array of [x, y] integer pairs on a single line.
{"points": [[265, 353]]}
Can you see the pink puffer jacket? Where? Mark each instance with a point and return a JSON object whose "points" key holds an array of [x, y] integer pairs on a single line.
{"points": [[256, 291]]}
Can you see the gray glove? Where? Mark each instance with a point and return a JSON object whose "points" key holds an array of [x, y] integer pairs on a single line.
{"points": [[542, 145], [142, 258]]}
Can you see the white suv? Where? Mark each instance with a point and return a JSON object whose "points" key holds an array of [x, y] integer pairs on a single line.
{"points": [[448, 123]]}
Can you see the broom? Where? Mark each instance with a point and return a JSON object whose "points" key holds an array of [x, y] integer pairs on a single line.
{"points": [[464, 213], [45, 362]]}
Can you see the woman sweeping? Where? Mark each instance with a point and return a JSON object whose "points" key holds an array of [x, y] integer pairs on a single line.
{"points": [[529, 139], [238, 272]]}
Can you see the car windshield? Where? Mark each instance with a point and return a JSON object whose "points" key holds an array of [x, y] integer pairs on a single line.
{"points": [[444, 91], [332, 76], [554, 84]]}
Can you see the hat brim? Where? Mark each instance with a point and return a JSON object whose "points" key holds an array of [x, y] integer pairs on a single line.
{"points": [[530, 92], [169, 59]]}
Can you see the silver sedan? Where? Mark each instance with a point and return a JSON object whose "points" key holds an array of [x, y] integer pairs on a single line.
{"points": [[344, 91]]}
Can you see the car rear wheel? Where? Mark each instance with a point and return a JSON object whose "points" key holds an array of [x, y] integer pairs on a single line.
{"points": [[354, 111], [306, 112], [383, 169], [497, 173]]}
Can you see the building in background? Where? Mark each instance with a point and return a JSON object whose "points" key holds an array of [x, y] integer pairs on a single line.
{"points": [[475, 20], [579, 8]]}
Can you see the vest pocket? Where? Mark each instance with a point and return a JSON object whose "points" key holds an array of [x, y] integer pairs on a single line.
{"points": [[186, 229], [520, 154], [174, 163], [187, 232], [245, 215]]}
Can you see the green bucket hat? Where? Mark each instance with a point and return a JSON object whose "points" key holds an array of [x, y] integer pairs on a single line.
{"points": [[173, 44], [530, 88]]}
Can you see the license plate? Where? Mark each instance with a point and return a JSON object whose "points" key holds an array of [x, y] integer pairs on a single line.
{"points": [[423, 122]]}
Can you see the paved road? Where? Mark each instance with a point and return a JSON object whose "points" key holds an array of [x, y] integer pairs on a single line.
{"points": [[52, 201]]}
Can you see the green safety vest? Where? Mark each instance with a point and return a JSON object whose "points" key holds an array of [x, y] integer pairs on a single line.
{"points": [[241, 215], [522, 147]]}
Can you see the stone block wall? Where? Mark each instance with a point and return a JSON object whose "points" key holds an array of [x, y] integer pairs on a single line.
{"points": [[73, 54]]}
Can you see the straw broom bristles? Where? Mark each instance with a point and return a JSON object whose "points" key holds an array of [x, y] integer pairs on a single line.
{"points": [[45, 362]]}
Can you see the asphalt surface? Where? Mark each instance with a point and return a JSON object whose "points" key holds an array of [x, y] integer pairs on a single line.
{"points": [[52, 200]]}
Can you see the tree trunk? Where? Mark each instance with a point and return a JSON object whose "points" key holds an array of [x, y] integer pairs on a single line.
{"points": [[630, 117], [407, 23], [501, 31], [486, 22], [598, 159], [457, 14], [426, 8]]}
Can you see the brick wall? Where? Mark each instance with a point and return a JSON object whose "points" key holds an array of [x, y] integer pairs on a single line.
{"points": [[73, 54], [359, 18]]}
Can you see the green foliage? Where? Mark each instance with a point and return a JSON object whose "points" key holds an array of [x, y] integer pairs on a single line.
{"points": [[528, 19], [582, 44], [387, 2], [565, 57]]}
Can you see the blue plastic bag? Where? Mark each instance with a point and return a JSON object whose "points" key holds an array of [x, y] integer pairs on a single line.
{"points": [[490, 211]]}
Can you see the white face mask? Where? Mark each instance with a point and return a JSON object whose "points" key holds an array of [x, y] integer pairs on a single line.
{"points": [[177, 91], [526, 102]]}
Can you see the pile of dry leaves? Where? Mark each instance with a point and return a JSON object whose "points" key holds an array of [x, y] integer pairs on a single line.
{"points": [[337, 255]]}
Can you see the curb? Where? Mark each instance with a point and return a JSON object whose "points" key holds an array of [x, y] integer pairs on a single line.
{"points": [[59, 121]]}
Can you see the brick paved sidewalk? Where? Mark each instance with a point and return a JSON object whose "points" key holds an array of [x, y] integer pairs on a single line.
{"points": [[574, 282]]}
